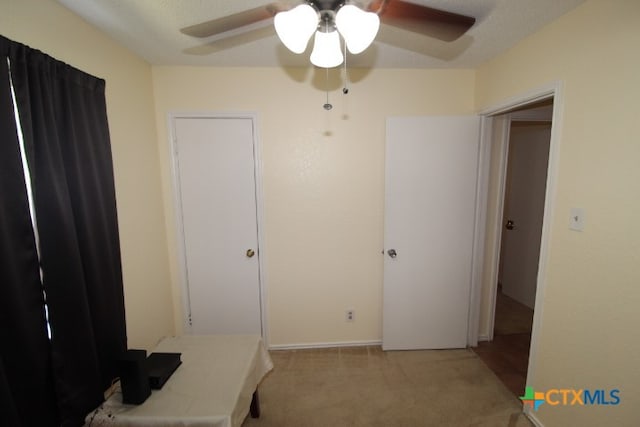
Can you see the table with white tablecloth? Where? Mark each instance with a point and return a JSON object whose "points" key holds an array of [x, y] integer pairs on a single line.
{"points": [[213, 387]]}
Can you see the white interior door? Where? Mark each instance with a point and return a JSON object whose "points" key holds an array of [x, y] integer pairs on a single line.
{"points": [[216, 172], [430, 187], [523, 209]]}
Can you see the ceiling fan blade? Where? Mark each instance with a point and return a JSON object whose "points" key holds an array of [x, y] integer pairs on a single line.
{"points": [[231, 41], [446, 26], [232, 22]]}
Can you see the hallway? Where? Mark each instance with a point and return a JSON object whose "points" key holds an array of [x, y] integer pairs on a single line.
{"points": [[508, 354]]}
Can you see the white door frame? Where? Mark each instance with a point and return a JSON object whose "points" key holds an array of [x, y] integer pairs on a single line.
{"points": [[555, 91], [257, 156]]}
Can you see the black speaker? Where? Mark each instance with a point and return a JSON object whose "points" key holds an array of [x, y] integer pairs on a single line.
{"points": [[134, 377]]}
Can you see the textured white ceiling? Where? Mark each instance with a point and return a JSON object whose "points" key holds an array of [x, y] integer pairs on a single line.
{"points": [[151, 29]]}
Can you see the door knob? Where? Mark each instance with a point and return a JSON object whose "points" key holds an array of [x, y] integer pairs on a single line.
{"points": [[510, 225], [392, 253], [250, 253]]}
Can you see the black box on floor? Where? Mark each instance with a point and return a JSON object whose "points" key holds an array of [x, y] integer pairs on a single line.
{"points": [[134, 377], [161, 366]]}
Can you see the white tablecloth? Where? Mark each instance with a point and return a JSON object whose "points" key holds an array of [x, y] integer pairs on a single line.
{"points": [[212, 388]]}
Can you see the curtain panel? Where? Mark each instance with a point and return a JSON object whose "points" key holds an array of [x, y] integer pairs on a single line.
{"points": [[26, 383], [63, 118]]}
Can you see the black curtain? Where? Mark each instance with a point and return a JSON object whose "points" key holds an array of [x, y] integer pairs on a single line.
{"points": [[63, 116], [26, 384]]}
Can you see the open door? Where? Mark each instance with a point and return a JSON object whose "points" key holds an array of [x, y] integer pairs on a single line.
{"points": [[430, 198]]}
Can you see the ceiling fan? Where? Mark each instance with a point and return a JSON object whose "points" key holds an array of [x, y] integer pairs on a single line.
{"points": [[424, 20]]}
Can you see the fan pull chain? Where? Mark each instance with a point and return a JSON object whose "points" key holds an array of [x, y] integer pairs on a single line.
{"points": [[327, 106], [345, 89]]}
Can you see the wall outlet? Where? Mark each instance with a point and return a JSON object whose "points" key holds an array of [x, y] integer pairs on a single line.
{"points": [[350, 315]]}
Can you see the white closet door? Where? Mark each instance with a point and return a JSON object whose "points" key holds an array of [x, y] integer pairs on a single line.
{"points": [[431, 168], [217, 185]]}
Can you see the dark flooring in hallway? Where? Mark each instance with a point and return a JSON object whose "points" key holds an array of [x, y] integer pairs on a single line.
{"points": [[508, 354]]}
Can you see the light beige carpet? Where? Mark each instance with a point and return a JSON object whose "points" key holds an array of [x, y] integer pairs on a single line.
{"points": [[365, 386]]}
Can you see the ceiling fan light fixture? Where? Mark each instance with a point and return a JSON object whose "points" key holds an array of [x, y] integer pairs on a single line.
{"points": [[296, 26], [359, 28], [326, 50]]}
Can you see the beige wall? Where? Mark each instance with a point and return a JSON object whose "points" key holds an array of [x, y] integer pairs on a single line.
{"points": [[323, 182], [47, 26], [590, 308]]}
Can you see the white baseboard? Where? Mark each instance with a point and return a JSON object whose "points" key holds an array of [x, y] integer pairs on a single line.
{"points": [[323, 345], [532, 417], [483, 337]]}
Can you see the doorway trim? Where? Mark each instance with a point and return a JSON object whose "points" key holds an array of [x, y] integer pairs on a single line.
{"points": [[503, 140], [488, 117], [179, 227]]}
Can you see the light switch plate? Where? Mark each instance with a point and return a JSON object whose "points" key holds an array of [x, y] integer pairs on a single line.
{"points": [[576, 221]]}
